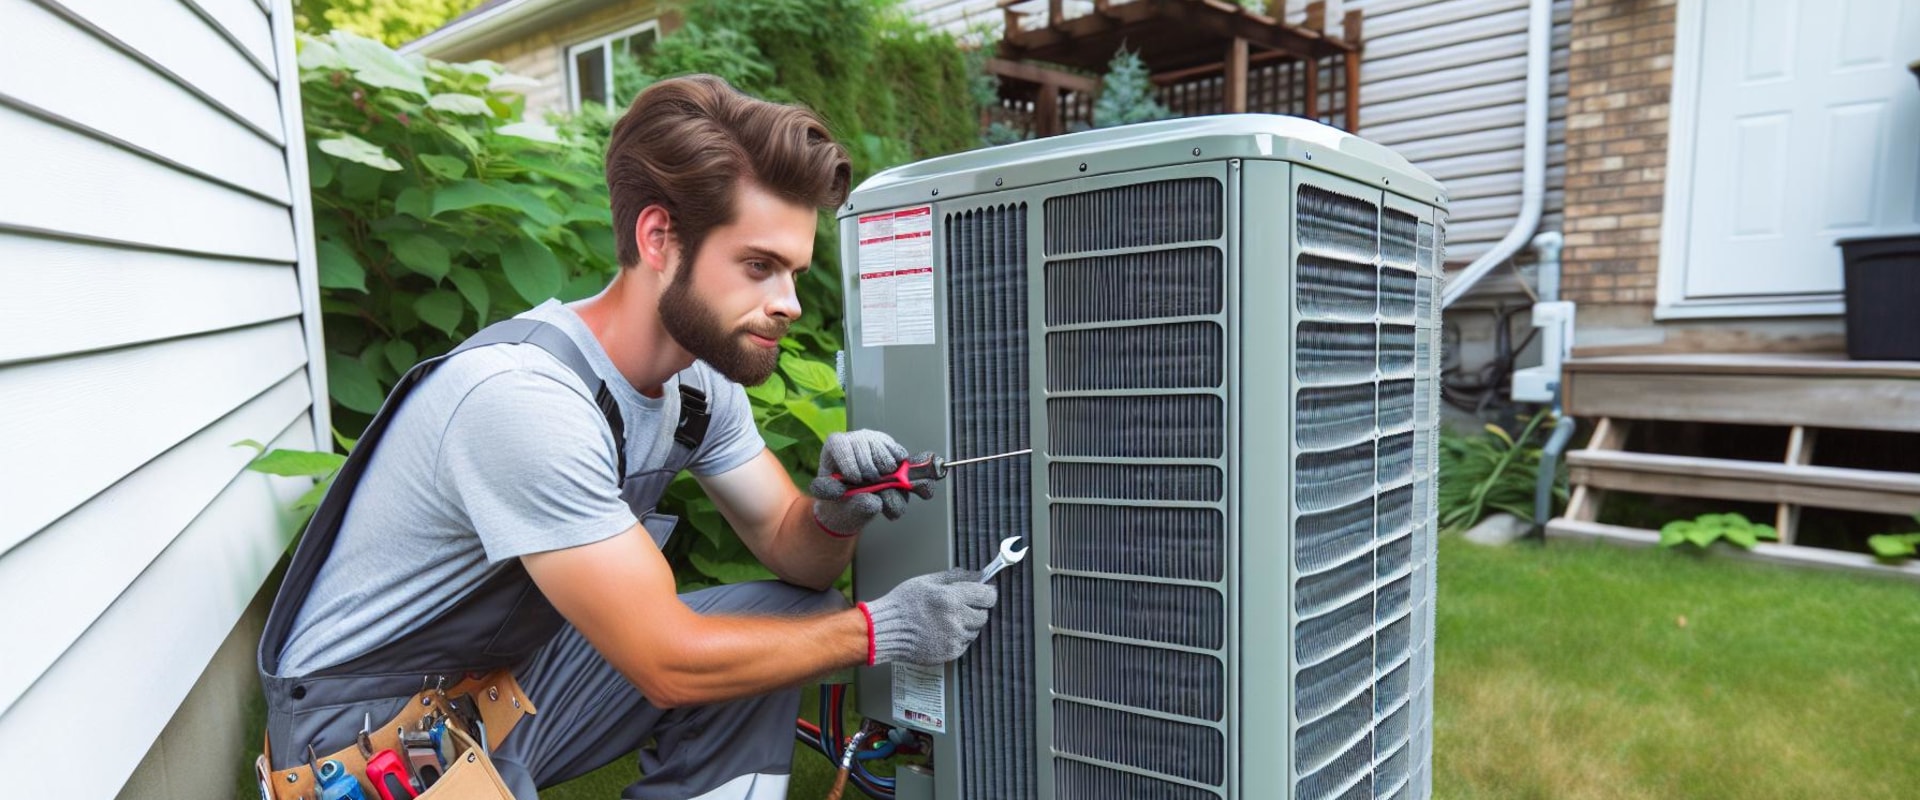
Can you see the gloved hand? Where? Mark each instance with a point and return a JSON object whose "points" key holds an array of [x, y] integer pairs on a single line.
{"points": [[928, 620], [860, 458]]}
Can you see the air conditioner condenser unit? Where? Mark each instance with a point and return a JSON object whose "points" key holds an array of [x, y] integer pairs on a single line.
{"points": [[1219, 335]]}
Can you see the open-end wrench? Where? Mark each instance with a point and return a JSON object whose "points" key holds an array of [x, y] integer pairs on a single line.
{"points": [[1005, 558]]}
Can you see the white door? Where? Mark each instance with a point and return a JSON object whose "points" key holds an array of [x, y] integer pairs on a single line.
{"points": [[1805, 129]]}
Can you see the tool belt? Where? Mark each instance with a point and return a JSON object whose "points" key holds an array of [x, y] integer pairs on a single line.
{"points": [[459, 725]]}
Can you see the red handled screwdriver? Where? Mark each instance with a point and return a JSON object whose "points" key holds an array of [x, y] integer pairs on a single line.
{"points": [[932, 469]]}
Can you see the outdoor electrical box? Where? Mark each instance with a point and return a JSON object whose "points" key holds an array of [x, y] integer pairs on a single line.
{"points": [[1220, 337]]}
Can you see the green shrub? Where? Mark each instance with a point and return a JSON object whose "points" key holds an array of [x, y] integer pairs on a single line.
{"points": [[1491, 471], [438, 209], [1895, 546], [1704, 530]]}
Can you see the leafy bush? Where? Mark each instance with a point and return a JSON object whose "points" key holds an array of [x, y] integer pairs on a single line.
{"points": [[1895, 546], [1492, 471], [438, 209], [1704, 530]]}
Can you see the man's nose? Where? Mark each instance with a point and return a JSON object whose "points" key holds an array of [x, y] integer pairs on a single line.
{"points": [[785, 301]]}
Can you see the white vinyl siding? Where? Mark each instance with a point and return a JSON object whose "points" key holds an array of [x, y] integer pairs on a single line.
{"points": [[157, 305], [1442, 82]]}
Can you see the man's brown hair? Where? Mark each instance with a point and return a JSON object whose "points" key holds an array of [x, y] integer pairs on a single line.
{"points": [[686, 143]]}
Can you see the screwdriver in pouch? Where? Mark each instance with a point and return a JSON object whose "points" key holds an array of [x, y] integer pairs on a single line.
{"points": [[934, 468]]}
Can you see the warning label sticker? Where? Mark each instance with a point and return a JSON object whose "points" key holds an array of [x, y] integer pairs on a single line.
{"points": [[920, 696], [896, 277]]}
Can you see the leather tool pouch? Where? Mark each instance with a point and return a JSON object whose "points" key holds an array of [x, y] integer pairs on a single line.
{"points": [[468, 775]]}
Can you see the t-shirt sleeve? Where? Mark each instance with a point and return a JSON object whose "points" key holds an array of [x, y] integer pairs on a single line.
{"points": [[530, 460], [732, 437]]}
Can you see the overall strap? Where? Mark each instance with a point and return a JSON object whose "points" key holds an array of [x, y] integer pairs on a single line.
{"points": [[316, 543]]}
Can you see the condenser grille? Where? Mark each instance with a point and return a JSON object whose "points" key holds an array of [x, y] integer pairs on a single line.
{"points": [[1168, 681], [987, 368], [1363, 458], [1179, 355], [1080, 480], [1080, 779], [1137, 358], [1194, 752], [1188, 282], [1178, 543], [1139, 215]]}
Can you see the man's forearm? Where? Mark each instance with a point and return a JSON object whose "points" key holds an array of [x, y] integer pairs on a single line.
{"points": [[720, 658], [803, 553]]}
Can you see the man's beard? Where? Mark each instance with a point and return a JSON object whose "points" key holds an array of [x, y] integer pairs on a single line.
{"points": [[699, 330]]}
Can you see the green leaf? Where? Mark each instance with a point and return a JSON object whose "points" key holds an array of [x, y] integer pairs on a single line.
{"points": [[318, 54], [1891, 545], [1741, 536], [414, 202], [375, 65], [293, 463], [1703, 535], [810, 377], [729, 571], [338, 268], [472, 193], [773, 390], [319, 173], [531, 269], [422, 254], [777, 442], [358, 150], [258, 448], [536, 131], [463, 104], [821, 421], [472, 287], [344, 442], [352, 385], [444, 166], [439, 308], [1675, 532], [1766, 532], [401, 355], [510, 82]]}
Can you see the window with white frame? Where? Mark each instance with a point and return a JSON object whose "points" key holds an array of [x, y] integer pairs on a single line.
{"points": [[603, 70]]}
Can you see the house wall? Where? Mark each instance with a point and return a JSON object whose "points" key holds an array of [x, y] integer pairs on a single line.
{"points": [[1619, 106], [542, 54], [160, 304]]}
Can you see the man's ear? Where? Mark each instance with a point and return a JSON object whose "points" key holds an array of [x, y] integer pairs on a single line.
{"points": [[653, 235]]}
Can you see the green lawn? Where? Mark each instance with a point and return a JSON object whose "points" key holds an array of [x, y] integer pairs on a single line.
{"points": [[1578, 671], [1589, 671]]}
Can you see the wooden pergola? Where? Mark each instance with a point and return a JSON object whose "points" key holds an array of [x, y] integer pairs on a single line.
{"points": [[1212, 44]]}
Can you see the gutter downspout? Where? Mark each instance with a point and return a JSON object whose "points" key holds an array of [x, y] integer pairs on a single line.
{"points": [[1534, 177]]}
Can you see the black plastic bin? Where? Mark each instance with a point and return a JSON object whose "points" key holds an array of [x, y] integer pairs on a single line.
{"points": [[1883, 297]]}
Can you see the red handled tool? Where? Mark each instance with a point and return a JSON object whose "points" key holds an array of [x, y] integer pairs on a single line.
{"points": [[934, 468], [388, 774]]}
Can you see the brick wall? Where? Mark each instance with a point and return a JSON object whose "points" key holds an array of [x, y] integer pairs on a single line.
{"points": [[1620, 73]]}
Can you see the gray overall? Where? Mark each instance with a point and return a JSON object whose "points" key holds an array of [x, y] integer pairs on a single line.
{"points": [[589, 714]]}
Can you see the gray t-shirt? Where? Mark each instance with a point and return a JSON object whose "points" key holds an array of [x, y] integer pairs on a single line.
{"points": [[499, 453]]}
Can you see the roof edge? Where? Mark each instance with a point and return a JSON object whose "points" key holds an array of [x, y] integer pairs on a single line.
{"points": [[468, 29]]}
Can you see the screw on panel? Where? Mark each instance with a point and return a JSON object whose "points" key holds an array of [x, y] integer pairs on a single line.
{"points": [[1387, 181], [1309, 156], [1083, 166], [936, 193], [998, 181], [1196, 151]]}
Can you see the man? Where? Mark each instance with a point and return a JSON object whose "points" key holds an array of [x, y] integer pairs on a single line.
{"points": [[497, 496]]}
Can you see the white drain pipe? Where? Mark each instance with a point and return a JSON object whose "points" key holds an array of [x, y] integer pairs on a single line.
{"points": [[1534, 178]]}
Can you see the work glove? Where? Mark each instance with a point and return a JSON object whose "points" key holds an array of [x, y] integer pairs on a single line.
{"points": [[860, 458], [928, 620]]}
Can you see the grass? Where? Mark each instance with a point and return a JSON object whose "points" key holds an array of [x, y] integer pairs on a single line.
{"points": [[1578, 671], [1589, 671]]}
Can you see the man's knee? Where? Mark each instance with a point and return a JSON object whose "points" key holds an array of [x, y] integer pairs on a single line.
{"points": [[765, 597]]}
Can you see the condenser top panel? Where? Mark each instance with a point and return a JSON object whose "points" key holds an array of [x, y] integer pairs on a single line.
{"points": [[1269, 137]]}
